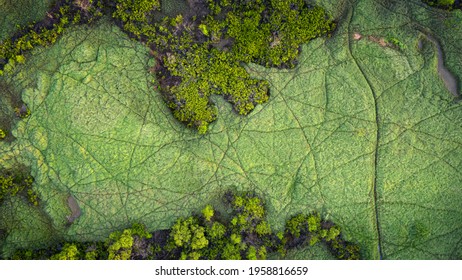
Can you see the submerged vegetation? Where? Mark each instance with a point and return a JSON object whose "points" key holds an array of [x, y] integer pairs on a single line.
{"points": [[245, 234], [199, 53]]}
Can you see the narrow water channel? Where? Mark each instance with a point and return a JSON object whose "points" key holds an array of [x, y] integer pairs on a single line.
{"points": [[448, 78]]}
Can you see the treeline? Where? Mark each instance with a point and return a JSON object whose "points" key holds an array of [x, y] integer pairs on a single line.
{"points": [[200, 52], [445, 4], [244, 234], [17, 183]]}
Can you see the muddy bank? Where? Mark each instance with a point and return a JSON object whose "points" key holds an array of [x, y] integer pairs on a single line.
{"points": [[75, 209], [450, 81]]}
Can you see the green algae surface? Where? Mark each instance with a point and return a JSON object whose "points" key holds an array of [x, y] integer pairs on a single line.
{"points": [[363, 130]]}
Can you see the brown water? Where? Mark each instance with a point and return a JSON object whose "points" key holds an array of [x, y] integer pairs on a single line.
{"points": [[448, 78], [75, 209]]}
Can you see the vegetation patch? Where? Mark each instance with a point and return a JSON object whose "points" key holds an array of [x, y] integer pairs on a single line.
{"points": [[12, 110], [444, 4], [199, 54], [13, 183], [246, 234], [46, 32]]}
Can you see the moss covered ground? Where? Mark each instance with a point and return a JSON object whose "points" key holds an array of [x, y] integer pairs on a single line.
{"points": [[363, 130], [20, 12]]}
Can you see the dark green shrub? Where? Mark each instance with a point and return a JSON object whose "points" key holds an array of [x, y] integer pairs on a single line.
{"points": [[16, 183]]}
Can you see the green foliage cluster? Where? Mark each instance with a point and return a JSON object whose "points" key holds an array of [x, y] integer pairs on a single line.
{"points": [[134, 14], [397, 43], [197, 74], [311, 229], [200, 56], [120, 244], [16, 183], [65, 251], [65, 13], [189, 236], [2, 134], [445, 4], [245, 234], [69, 251], [269, 32]]}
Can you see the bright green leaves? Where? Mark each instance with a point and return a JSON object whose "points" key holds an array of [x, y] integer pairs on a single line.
{"points": [[312, 229], [314, 223], [68, 252], [216, 231], [331, 233], [209, 237], [204, 72], [294, 225], [201, 57], [263, 228], [208, 212], [135, 10], [245, 235], [7, 186], [120, 244], [189, 236], [250, 215], [294, 26], [251, 39], [204, 29], [270, 34], [134, 14], [188, 233], [444, 3], [120, 247]]}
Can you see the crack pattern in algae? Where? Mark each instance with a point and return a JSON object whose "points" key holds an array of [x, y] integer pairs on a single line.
{"points": [[367, 135]]}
